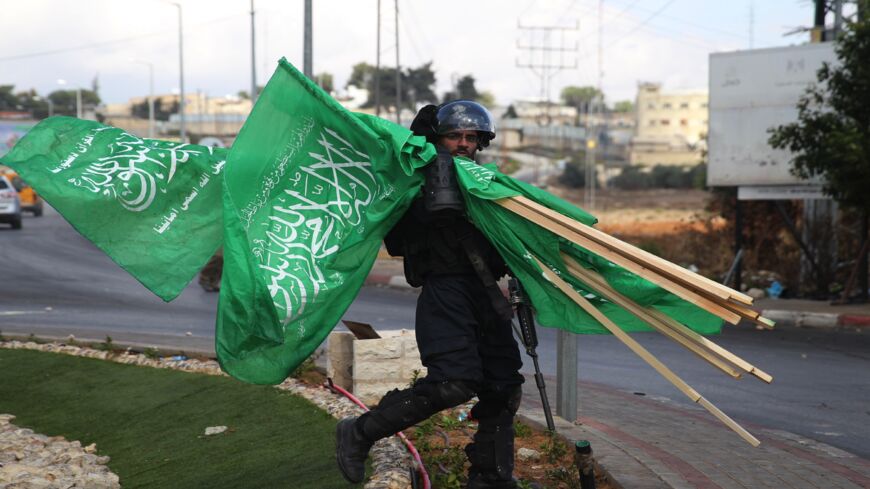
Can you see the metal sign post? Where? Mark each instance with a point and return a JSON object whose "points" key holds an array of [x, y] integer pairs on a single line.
{"points": [[566, 375]]}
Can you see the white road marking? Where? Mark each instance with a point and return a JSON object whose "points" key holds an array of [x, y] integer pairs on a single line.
{"points": [[19, 313]]}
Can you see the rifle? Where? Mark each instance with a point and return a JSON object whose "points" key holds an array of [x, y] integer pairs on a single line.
{"points": [[529, 337]]}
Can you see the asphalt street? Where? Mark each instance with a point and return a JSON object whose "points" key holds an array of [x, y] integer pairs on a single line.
{"points": [[54, 282]]}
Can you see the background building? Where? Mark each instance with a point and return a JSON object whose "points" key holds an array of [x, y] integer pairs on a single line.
{"points": [[671, 126]]}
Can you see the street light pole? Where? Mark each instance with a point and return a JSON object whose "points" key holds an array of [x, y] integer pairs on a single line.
{"points": [[307, 64], [150, 95], [78, 97], [253, 59], [181, 130], [398, 69]]}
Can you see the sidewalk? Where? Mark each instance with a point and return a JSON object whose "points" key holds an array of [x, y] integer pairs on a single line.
{"points": [[645, 444], [642, 443]]}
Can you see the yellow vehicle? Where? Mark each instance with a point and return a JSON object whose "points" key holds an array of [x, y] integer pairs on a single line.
{"points": [[30, 200]]}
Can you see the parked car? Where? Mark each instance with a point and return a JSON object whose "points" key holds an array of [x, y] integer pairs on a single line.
{"points": [[30, 200], [10, 204]]}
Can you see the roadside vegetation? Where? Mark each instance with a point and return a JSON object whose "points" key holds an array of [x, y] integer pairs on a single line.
{"points": [[151, 422]]}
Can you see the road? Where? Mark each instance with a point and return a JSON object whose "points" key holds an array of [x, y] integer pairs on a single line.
{"points": [[56, 283], [535, 169]]}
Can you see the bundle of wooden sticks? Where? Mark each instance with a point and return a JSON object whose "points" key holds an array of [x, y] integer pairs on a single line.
{"points": [[728, 304]]}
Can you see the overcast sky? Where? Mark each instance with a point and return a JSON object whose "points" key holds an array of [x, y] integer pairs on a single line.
{"points": [[666, 41]]}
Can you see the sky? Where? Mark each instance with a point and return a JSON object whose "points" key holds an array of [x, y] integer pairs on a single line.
{"points": [[666, 41]]}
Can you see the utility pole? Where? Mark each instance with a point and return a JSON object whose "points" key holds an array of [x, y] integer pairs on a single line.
{"points": [[540, 61], [598, 110], [838, 18], [307, 68], [398, 70], [378, 67], [751, 24], [541, 64], [818, 32], [181, 129], [253, 59]]}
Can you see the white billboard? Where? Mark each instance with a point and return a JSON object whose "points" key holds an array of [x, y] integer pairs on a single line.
{"points": [[750, 92]]}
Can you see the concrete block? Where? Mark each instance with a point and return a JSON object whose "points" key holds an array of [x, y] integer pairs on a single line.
{"points": [[374, 350], [339, 358], [371, 368]]}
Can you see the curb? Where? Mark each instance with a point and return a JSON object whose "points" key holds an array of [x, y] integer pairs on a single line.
{"points": [[384, 280], [816, 320], [782, 317]]}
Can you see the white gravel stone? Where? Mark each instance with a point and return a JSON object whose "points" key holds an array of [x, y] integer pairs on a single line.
{"points": [[527, 454], [215, 430], [35, 461]]}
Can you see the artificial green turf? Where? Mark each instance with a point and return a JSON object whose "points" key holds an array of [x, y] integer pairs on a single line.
{"points": [[151, 423]]}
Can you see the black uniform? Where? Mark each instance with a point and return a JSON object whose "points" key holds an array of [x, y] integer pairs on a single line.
{"points": [[464, 334], [460, 334]]}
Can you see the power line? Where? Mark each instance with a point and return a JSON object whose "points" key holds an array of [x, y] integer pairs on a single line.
{"points": [[545, 68], [707, 28], [687, 22], [642, 23], [623, 11], [111, 42], [408, 29]]}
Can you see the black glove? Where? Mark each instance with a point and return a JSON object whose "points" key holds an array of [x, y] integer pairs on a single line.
{"points": [[426, 123]]}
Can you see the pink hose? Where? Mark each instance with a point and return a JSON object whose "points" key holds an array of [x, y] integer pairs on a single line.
{"points": [[414, 453]]}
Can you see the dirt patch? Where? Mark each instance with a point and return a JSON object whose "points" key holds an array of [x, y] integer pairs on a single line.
{"points": [[654, 212], [607, 200], [441, 441]]}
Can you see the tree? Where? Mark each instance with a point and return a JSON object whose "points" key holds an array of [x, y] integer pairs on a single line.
{"points": [[324, 80], [8, 101], [623, 106], [466, 89], [65, 100], [831, 137], [486, 98], [163, 111], [417, 84], [580, 97]]}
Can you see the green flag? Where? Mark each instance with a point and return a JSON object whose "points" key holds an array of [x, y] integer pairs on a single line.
{"points": [[310, 191], [306, 196], [152, 206], [517, 239]]}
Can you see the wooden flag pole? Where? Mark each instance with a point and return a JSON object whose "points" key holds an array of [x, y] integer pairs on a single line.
{"points": [[602, 288], [685, 331], [638, 255], [666, 321], [644, 354], [727, 309], [667, 284]]}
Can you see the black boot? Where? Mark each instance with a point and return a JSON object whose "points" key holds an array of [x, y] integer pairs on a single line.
{"points": [[492, 454], [481, 481], [351, 450]]}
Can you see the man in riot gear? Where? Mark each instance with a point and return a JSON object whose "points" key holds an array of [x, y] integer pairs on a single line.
{"points": [[463, 322]]}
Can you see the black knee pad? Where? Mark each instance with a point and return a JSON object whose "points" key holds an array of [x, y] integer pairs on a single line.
{"points": [[443, 395], [498, 402], [400, 409]]}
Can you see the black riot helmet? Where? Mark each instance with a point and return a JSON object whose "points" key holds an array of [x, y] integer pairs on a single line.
{"points": [[466, 115]]}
